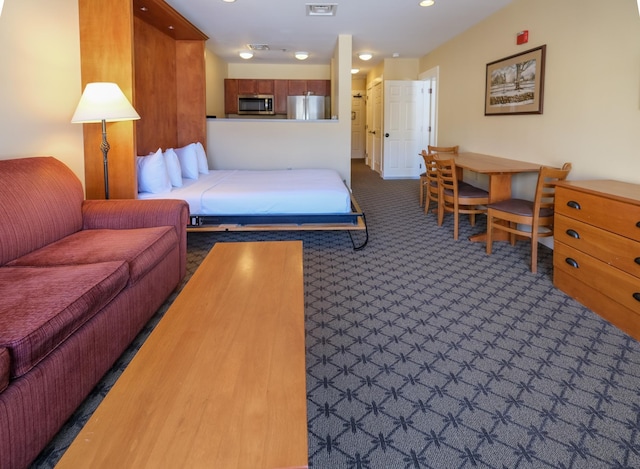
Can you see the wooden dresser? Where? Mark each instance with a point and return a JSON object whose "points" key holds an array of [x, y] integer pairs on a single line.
{"points": [[596, 255]]}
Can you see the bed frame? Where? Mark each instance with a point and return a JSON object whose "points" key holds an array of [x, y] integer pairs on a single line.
{"points": [[352, 221]]}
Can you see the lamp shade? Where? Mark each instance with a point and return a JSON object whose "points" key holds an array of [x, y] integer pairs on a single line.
{"points": [[103, 101]]}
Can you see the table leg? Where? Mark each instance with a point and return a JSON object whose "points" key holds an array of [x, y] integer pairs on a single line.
{"points": [[499, 189]]}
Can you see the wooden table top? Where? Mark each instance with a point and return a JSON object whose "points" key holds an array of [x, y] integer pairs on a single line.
{"points": [[488, 164], [220, 382]]}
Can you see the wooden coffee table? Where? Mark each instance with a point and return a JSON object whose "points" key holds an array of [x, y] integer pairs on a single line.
{"points": [[220, 382]]}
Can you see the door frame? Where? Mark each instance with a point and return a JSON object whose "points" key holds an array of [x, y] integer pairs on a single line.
{"points": [[431, 105]]}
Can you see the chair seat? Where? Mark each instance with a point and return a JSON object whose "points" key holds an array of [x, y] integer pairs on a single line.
{"points": [[520, 207], [466, 190]]}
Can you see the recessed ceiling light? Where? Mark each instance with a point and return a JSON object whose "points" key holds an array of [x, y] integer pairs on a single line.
{"points": [[246, 54], [365, 56], [228, 1], [301, 55], [426, 3], [354, 71], [321, 9]]}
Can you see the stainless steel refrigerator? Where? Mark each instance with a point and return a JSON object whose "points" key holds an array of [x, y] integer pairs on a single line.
{"points": [[308, 107]]}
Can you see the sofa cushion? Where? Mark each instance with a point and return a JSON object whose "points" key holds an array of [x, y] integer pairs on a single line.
{"points": [[41, 307], [141, 248], [5, 363], [41, 203]]}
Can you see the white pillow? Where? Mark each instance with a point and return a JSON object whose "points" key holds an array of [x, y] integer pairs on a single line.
{"points": [[152, 174], [203, 164], [188, 161], [173, 167]]}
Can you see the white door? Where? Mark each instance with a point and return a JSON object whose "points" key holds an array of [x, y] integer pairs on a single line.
{"points": [[369, 127], [403, 126], [358, 114], [376, 130]]}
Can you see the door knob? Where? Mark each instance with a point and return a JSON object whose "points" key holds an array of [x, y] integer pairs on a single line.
{"points": [[386, 135]]}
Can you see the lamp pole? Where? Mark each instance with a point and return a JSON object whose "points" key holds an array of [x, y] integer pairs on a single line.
{"points": [[104, 146]]}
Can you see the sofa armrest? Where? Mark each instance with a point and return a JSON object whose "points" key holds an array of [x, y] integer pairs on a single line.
{"points": [[130, 213]]}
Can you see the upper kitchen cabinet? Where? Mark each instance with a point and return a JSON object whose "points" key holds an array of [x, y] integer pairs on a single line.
{"points": [[141, 46], [280, 96], [315, 87], [247, 86], [231, 96]]}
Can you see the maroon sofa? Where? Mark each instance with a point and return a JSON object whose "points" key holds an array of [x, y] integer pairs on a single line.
{"points": [[78, 281]]}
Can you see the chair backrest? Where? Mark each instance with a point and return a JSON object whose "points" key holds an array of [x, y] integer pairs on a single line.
{"points": [[546, 187], [431, 170], [433, 149], [447, 177]]}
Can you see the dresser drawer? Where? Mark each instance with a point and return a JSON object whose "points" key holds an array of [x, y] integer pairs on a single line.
{"points": [[620, 252], [613, 215], [610, 281]]}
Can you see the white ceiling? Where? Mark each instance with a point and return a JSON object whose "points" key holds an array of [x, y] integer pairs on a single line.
{"points": [[382, 27]]}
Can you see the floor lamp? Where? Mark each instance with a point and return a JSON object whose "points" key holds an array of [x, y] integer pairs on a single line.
{"points": [[104, 102]]}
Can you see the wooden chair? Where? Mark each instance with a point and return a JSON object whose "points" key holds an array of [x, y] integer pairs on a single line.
{"points": [[424, 177], [429, 181], [456, 197], [506, 215]]}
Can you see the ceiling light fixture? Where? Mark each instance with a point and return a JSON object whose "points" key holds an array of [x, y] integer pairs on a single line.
{"points": [[365, 56], [354, 71], [246, 54], [228, 1], [301, 55], [426, 3]]}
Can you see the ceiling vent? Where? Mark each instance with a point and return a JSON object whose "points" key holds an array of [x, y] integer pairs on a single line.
{"points": [[321, 9], [258, 46]]}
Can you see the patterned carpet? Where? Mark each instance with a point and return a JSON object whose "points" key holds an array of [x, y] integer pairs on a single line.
{"points": [[424, 352]]}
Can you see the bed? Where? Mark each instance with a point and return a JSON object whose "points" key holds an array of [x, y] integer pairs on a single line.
{"points": [[248, 200]]}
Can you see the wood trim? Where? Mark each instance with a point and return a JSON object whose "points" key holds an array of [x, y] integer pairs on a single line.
{"points": [[106, 48], [162, 16]]}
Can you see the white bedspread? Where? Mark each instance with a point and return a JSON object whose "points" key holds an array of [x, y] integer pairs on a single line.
{"points": [[245, 192]]}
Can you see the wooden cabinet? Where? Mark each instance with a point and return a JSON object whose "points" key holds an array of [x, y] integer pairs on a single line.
{"points": [[135, 48], [230, 96], [319, 87], [316, 87], [248, 86], [281, 92], [596, 254]]}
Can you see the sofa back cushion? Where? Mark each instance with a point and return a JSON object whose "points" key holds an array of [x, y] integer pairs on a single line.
{"points": [[40, 202]]}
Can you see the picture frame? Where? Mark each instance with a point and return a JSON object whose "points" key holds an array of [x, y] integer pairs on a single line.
{"points": [[515, 84]]}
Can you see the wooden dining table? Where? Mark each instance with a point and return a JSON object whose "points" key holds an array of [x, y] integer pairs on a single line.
{"points": [[499, 170]]}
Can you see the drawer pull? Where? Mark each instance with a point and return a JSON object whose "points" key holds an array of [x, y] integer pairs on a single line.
{"points": [[573, 234], [638, 224], [572, 262], [636, 295], [573, 204], [637, 260]]}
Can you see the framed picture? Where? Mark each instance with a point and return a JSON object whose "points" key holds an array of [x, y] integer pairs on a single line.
{"points": [[515, 84]]}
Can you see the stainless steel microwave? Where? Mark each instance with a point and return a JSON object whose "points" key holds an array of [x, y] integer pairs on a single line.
{"points": [[255, 104]]}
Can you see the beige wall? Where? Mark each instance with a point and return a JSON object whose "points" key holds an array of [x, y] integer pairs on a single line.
{"points": [[216, 72], [401, 69], [592, 87], [40, 81]]}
